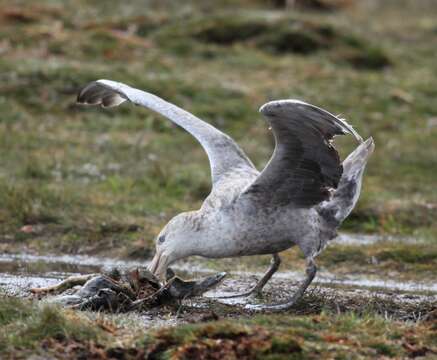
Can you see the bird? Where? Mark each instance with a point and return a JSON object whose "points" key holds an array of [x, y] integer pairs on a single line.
{"points": [[300, 198]]}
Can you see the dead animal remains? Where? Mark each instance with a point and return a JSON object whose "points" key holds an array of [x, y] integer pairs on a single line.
{"points": [[134, 289]]}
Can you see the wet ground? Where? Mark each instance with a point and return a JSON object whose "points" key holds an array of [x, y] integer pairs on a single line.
{"points": [[21, 272]]}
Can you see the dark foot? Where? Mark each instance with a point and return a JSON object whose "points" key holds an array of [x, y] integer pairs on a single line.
{"points": [[310, 273], [256, 291]]}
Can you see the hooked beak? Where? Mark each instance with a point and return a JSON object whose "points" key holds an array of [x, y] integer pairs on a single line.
{"points": [[159, 265]]}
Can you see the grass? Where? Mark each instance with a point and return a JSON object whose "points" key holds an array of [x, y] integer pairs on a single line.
{"points": [[82, 163], [71, 171], [26, 325], [86, 180], [71, 168], [50, 331], [409, 260]]}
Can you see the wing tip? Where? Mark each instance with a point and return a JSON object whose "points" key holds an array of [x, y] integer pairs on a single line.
{"points": [[269, 107], [100, 92], [81, 95]]}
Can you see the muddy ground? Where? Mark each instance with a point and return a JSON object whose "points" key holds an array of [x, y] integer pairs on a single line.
{"points": [[372, 316], [407, 300]]}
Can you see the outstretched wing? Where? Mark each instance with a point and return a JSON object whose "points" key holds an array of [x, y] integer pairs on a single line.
{"points": [[305, 165], [223, 153]]}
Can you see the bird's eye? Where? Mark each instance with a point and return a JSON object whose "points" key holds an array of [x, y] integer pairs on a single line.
{"points": [[161, 239]]}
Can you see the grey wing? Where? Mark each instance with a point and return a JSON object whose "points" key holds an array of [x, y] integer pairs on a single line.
{"points": [[223, 153], [305, 165]]}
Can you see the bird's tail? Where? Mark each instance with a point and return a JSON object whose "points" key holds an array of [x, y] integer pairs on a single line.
{"points": [[348, 191]]}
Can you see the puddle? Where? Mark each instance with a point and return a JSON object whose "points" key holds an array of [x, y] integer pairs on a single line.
{"points": [[365, 239], [325, 278], [81, 263], [20, 272], [19, 285], [407, 291]]}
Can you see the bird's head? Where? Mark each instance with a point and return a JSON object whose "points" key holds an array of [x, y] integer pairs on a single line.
{"points": [[177, 240]]}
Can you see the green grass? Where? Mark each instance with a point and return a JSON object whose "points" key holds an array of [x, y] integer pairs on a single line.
{"points": [[77, 167], [49, 331], [410, 260], [71, 171], [25, 325]]}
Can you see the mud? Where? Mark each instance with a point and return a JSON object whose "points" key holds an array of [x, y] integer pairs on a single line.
{"points": [[407, 300], [19, 272]]}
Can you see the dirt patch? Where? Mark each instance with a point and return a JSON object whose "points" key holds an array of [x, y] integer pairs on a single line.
{"points": [[401, 300]]}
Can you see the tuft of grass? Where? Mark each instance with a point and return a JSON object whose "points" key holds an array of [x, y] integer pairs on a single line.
{"points": [[227, 30], [13, 309], [26, 325], [28, 204]]}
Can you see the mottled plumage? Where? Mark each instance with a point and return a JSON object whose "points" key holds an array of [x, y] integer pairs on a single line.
{"points": [[300, 198]]}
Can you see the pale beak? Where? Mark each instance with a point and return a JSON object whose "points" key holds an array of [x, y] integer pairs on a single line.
{"points": [[159, 265], [154, 263]]}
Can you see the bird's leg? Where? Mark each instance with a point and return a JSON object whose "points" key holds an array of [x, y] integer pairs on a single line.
{"points": [[274, 266], [311, 270]]}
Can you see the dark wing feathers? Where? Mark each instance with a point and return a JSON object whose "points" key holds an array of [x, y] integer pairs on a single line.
{"points": [[93, 94], [304, 166]]}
